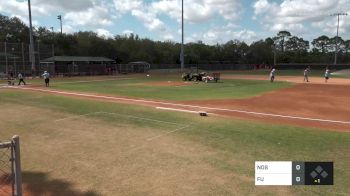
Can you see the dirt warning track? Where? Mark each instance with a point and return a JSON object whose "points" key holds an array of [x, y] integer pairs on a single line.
{"points": [[310, 105]]}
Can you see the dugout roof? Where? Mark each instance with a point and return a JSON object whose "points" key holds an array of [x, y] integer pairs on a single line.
{"points": [[75, 59]]}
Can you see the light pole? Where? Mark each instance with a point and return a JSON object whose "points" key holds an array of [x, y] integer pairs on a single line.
{"points": [[14, 61], [182, 58], [31, 46], [59, 17], [336, 38]]}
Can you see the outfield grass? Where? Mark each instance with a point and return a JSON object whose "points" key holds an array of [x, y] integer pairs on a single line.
{"points": [[111, 154]]}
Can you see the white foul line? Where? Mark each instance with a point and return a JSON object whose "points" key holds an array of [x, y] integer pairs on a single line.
{"points": [[179, 110], [185, 105]]}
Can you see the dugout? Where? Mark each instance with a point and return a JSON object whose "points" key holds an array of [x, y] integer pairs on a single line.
{"points": [[134, 67], [78, 65]]}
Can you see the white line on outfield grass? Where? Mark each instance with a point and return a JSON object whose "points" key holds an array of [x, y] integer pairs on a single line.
{"points": [[88, 81], [139, 118], [135, 117], [116, 114], [185, 105], [74, 117], [167, 133]]}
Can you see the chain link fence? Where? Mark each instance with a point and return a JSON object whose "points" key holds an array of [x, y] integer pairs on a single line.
{"points": [[15, 58], [10, 168]]}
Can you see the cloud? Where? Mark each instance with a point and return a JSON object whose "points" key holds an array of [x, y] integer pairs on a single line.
{"points": [[96, 16], [124, 6], [223, 34], [297, 15], [127, 32], [25, 20], [20, 8], [168, 36], [153, 14], [198, 11], [104, 33], [150, 20], [83, 13], [43, 7], [63, 5], [67, 29]]}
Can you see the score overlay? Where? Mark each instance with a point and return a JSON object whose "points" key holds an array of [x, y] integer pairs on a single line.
{"points": [[287, 173]]}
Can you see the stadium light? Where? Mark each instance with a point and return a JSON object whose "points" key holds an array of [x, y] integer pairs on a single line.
{"points": [[336, 38], [59, 17], [182, 56], [31, 46]]}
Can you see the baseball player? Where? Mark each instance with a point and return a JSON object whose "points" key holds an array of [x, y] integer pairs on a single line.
{"points": [[21, 79], [46, 76], [306, 74], [326, 75], [272, 75]]}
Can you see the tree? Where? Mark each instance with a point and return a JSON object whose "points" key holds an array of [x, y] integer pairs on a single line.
{"points": [[262, 52], [280, 40], [347, 46], [297, 44], [322, 44]]}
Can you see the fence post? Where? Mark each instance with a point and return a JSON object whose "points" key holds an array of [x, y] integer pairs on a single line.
{"points": [[38, 42], [23, 63], [18, 172], [53, 50], [7, 66]]}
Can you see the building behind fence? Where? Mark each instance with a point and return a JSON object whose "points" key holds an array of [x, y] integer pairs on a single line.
{"points": [[10, 168], [14, 57]]}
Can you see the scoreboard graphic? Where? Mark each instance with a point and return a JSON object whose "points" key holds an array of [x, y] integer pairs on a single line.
{"points": [[287, 173]]}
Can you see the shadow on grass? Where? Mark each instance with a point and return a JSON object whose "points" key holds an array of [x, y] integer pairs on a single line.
{"points": [[38, 183]]}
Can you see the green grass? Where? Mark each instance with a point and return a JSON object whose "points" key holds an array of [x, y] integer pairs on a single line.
{"points": [[138, 87], [218, 153]]}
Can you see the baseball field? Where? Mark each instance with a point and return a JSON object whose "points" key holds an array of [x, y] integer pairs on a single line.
{"points": [[142, 135]]}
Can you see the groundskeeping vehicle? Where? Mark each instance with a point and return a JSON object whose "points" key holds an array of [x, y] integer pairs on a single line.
{"points": [[213, 77], [203, 76], [193, 76]]}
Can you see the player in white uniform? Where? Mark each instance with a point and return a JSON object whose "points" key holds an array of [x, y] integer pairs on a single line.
{"points": [[272, 75], [306, 74], [326, 75], [46, 76]]}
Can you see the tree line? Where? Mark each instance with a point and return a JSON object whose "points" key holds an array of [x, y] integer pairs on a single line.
{"points": [[286, 48]]}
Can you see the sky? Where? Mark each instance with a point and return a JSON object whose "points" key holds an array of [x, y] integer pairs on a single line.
{"points": [[210, 21]]}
